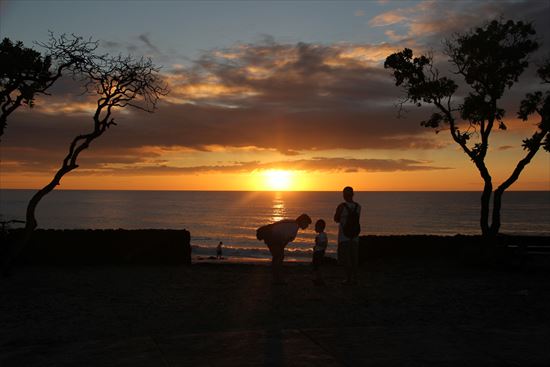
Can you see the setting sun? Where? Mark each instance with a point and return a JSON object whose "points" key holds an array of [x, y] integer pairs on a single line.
{"points": [[278, 179]]}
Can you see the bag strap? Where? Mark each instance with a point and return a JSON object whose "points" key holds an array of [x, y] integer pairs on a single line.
{"points": [[354, 208]]}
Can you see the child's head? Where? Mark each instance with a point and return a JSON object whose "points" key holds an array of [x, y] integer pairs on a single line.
{"points": [[320, 226]]}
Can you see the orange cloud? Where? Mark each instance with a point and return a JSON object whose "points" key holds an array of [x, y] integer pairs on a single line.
{"points": [[429, 18], [389, 18], [67, 107]]}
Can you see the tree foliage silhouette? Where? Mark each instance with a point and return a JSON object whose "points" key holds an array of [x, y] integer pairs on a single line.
{"points": [[26, 73], [490, 59]]}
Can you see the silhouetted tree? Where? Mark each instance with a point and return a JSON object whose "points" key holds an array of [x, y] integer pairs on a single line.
{"points": [[25, 72], [490, 59], [118, 82]]}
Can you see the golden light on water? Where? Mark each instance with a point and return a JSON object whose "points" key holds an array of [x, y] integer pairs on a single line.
{"points": [[279, 209]]}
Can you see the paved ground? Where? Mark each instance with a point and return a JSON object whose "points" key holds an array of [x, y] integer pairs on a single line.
{"points": [[230, 315], [361, 346]]}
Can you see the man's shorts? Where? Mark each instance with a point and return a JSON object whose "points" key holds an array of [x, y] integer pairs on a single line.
{"points": [[348, 252]]}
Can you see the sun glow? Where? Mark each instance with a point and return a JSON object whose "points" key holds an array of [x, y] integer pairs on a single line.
{"points": [[278, 180]]}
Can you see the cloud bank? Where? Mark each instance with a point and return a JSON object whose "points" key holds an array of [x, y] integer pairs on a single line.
{"points": [[294, 98]]}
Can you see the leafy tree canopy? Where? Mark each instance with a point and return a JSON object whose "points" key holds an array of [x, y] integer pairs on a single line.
{"points": [[490, 59], [26, 73]]}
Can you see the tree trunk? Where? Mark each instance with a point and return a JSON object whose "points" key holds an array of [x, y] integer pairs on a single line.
{"points": [[497, 204], [31, 223], [485, 204], [33, 203], [485, 197], [497, 200], [3, 123]]}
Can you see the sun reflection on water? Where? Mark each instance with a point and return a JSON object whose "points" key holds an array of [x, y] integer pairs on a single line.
{"points": [[278, 206]]}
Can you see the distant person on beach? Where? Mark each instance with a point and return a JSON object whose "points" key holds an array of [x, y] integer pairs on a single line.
{"points": [[219, 251], [187, 246], [347, 216], [276, 236], [321, 242]]}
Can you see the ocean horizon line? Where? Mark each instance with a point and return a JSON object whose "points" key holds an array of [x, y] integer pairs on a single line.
{"points": [[266, 191], [234, 216]]}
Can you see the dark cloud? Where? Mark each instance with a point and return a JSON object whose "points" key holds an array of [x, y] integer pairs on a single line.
{"points": [[95, 158], [289, 97], [320, 164], [145, 39], [292, 76], [354, 164], [198, 127], [141, 45], [111, 44]]}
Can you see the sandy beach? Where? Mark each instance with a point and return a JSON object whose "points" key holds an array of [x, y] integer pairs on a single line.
{"points": [[221, 313]]}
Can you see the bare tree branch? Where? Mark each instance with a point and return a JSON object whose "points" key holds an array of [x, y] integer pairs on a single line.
{"points": [[118, 82]]}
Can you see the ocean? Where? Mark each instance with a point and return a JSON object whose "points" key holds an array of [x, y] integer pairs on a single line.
{"points": [[232, 217]]}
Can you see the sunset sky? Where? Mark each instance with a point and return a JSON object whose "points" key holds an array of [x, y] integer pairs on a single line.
{"points": [[264, 96]]}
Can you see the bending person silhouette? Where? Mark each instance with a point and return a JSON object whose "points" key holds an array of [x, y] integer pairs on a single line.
{"points": [[276, 236]]}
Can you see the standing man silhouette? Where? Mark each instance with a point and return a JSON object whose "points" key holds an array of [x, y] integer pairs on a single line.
{"points": [[347, 216]]}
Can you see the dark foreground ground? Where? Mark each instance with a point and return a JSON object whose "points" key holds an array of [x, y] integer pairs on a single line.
{"points": [[403, 313]]}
